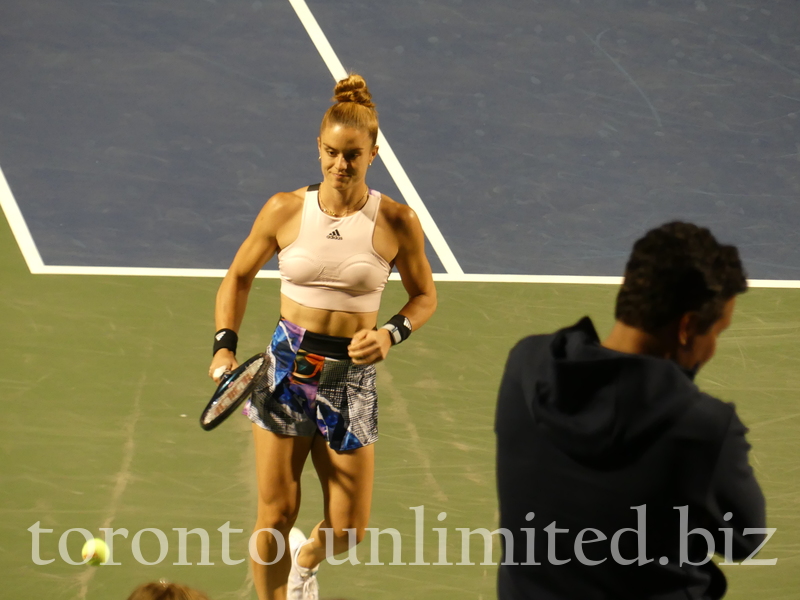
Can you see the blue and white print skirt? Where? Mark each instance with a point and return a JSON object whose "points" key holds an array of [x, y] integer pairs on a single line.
{"points": [[313, 387]]}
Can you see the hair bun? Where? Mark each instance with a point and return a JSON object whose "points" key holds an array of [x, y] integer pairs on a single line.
{"points": [[353, 89]]}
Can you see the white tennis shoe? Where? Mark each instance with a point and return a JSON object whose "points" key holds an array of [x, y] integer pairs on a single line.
{"points": [[302, 581]]}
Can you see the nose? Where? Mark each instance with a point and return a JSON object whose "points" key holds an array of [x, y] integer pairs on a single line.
{"points": [[340, 163]]}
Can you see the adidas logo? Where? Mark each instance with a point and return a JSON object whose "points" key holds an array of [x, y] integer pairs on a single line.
{"points": [[334, 235]]}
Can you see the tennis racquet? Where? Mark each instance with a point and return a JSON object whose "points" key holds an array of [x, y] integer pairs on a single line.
{"points": [[233, 389]]}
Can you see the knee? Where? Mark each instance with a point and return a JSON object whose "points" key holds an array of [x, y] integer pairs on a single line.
{"points": [[348, 535], [277, 515]]}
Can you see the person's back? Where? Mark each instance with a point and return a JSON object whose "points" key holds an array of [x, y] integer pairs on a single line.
{"points": [[597, 444]]}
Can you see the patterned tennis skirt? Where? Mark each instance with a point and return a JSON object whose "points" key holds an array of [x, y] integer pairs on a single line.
{"points": [[312, 386]]}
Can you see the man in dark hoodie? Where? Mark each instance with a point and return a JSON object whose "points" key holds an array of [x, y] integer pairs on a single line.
{"points": [[617, 476]]}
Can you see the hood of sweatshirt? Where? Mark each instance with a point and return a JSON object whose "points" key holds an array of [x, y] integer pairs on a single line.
{"points": [[601, 406]]}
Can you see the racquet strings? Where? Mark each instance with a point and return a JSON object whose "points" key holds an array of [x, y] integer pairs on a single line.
{"points": [[233, 390]]}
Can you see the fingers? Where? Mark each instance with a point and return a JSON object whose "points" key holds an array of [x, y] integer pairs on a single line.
{"points": [[359, 341], [369, 346], [366, 357], [360, 337], [222, 364], [220, 372]]}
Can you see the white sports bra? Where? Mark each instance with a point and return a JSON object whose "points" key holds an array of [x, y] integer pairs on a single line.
{"points": [[332, 264]]}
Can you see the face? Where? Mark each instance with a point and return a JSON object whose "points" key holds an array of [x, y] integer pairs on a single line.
{"points": [[696, 349], [345, 154]]}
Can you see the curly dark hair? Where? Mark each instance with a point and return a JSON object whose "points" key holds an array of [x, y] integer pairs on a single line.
{"points": [[675, 269]]}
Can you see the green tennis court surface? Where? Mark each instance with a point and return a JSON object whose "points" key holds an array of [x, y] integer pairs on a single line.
{"points": [[102, 380]]}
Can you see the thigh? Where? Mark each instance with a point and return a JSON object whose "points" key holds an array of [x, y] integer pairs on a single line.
{"points": [[346, 479], [279, 464]]}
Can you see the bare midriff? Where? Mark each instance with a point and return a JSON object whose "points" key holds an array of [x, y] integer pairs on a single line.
{"points": [[327, 322]]}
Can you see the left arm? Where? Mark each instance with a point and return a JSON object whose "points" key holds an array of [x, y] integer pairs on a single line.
{"points": [[370, 346]]}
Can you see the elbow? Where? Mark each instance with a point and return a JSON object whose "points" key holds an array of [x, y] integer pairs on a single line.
{"points": [[239, 281], [434, 301], [233, 286]]}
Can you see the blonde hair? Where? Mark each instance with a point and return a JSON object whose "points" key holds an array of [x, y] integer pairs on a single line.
{"points": [[164, 590], [353, 108]]}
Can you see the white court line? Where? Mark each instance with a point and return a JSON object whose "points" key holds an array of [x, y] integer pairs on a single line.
{"points": [[442, 277], [19, 227], [386, 153]]}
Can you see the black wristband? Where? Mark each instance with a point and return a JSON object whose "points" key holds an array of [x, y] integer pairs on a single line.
{"points": [[399, 328], [225, 338]]}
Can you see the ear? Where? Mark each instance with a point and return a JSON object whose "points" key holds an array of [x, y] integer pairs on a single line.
{"points": [[374, 151], [688, 329], [682, 340]]}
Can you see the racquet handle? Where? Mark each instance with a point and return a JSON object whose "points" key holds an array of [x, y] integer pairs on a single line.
{"points": [[220, 371]]}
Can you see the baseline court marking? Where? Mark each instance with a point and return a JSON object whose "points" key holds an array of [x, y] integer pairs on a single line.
{"points": [[443, 277]]}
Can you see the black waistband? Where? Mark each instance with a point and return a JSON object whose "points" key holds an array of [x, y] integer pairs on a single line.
{"points": [[325, 345]]}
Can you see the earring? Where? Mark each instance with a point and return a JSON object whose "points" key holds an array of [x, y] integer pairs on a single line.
{"points": [[319, 158]]}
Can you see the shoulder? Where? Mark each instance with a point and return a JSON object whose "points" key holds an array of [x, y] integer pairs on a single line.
{"points": [[400, 217], [709, 407], [280, 208], [533, 342], [708, 418], [285, 202], [530, 351]]}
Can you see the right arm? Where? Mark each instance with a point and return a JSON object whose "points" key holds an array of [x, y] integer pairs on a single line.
{"points": [[255, 251], [735, 490]]}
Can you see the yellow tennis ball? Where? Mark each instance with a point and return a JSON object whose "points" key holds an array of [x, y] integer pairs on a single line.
{"points": [[95, 552]]}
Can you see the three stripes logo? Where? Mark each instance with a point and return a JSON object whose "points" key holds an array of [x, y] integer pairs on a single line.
{"points": [[334, 235]]}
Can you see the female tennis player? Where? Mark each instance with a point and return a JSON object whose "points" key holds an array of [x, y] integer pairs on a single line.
{"points": [[336, 242]]}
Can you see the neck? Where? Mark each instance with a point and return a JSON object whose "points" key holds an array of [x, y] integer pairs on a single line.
{"points": [[341, 202], [631, 340]]}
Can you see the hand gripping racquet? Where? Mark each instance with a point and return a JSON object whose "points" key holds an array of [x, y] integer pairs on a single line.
{"points": [[233, 389]]}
